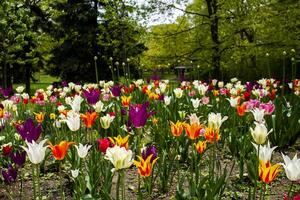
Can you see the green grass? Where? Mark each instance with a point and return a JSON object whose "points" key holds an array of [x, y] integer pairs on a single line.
{"points": [[43, 81]]}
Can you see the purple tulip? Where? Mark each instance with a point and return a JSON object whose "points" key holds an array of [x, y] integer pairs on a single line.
{"points": [[29, 131], [9, 175], [18, 158], [116, 90], [64, 84], [150, 150], [6, 91], [249, 86], [92, 96], [138, 114]]}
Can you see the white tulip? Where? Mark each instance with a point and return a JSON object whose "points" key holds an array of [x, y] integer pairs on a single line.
{"points": [[265, 152], [75, 104], [83, 150], [178, 92], [73, 120], [167, 100], [119, 157], [75, 173], [215, 120], [195, 102], [291, 167], [106, 120], [258, 115], [260, 133], [35, 151]]}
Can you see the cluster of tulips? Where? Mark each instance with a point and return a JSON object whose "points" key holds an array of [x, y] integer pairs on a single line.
{"points": [[90, 133]]}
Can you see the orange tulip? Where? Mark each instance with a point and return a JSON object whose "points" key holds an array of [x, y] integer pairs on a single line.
{"points": [[125, 101], [241, 110], [267, 172], [201, 146], [39, 117], [121, 142], [59, 151], [193, 130], [145, 166], [1, 113], [176, 129], [89, 118], [153, 96], [211, 135]]}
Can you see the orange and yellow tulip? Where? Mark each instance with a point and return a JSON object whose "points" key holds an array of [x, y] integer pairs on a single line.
{"points": [[1, 113], [39, 117], [125, 101], [201, 146], [119, 141], [212, 135], [59, 151], [267, 172], [89, 118], [176, 129], [193, 130], [145, 166], [241, 109]]}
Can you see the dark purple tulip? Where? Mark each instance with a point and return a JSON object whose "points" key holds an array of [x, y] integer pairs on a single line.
{"points": [[138, 114], [10, 175], [249, 86], [64, 84], [18, 158], [123, 111], [92, 96], [116, 90], [29, 131], [6, 91], [150, 150]]}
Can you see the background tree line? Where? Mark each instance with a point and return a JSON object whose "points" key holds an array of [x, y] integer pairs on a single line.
{"points": [[216, 38]]}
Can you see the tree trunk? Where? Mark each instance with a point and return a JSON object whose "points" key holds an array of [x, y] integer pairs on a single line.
{"points": [[27, 78], [212, 8]]}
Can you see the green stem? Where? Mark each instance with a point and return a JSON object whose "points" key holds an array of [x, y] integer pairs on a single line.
{"points": [[62, 194], [38, 181], [290, 190], [33, 183], [140, 194]]}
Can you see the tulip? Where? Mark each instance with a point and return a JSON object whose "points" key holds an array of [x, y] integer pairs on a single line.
{"points": [[104, 144], [268, 108], [149, 150], [215, 120], [234, 101], [200, 146], [145, 166], [125, 101], [193, 130], [92, 96], [82, 150], [76, 103], [121, 142], [59, 151], [99, 107], [18, 158], [75, 173], [167, 100], [241, 110], [6, 149], [105, 121], [265, 152], [9, 175], [119, 157], [35, 151], [39, 117], [138, 114], [260, 133], [73, 120], [267, 172], [28, 130], [178, 93], [116, 90], [291, 167], [89, 118], [194, 119], [211, 135], [258, 115], [176, 129]]}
